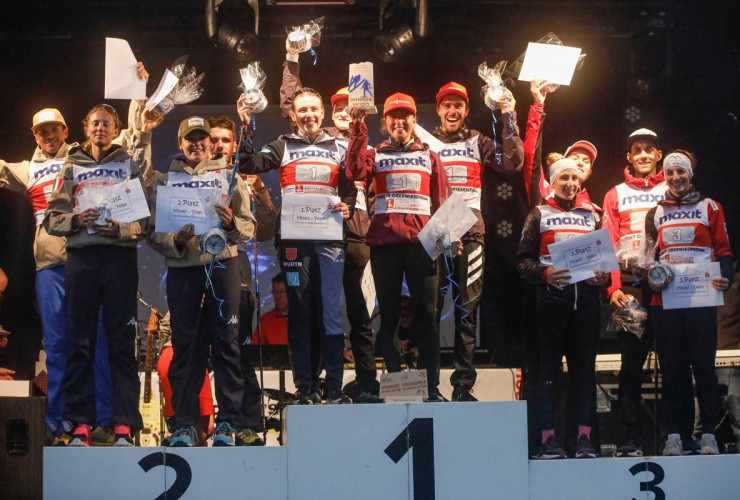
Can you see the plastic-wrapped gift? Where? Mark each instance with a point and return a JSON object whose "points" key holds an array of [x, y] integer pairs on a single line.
{"points": [[494, 88], [253, 81], [186, 90], [304, 37], [630, 319], [94, 196]]}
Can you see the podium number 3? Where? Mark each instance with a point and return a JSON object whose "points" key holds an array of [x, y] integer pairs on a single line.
{"points": [[419, 435], [652, 485]]}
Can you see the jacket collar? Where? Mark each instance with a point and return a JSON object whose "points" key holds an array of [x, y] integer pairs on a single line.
{"points": [[322, 137], [650, 181], [40, 156], [579, 203], [692, 196], [414, 145], [80, 157], [178, 164], [461, 135]]}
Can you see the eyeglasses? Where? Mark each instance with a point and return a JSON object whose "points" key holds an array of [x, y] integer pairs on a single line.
{"points": [[107, 107]]}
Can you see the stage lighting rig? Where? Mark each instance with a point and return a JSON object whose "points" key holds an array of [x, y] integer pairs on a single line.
{"points": [[396, 37], [241, 45]]}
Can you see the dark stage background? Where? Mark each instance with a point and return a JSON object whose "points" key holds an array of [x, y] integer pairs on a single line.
{"points": [[675, 64]]}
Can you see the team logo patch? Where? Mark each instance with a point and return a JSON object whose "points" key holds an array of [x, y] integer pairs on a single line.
{"points": [[58, 183], [291, 253], [293, 279], [196, 122], [390, 203]]}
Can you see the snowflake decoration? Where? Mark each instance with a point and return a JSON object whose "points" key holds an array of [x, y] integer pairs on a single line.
{"points": [[632, 114], [504, 229], [504, 191]]}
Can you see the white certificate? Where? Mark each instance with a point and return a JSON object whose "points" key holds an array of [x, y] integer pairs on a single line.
{"points": [[307, 217], [554, 63], [692, 286], [121, 81], [583, 254], [177, 206], [127, 202], [368, 288]]}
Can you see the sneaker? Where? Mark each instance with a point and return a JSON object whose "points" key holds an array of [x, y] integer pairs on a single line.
{"points": [[186, 436], [436, 397], [224, 435], [335, 396], [122, 436], [550, 449], [690, 447], [303, 397], [584, 449], [62, 439], [248, 437], [673, 446], [631, 448], [81, 437], [315, 396], [102, 436], [368, 398], [463, 393], [709, 445]]}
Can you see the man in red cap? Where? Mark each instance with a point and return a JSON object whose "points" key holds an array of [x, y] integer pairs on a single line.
{"points": [[465, 155], [625, 208], [410, 184]]}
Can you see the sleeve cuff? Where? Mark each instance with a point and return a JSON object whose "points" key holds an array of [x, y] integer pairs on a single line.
{"points": [[291, 57]]}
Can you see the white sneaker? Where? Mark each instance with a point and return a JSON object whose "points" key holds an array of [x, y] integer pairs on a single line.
{"points": [[709, 445], [673, 446]]}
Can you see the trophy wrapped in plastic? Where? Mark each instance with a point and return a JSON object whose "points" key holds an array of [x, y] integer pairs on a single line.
{"points": [[94, 196], [631, 318], [494, 88], [513, 70], [253, 81], [637, 260], [304, 37], [185, 88], [449, 223]]}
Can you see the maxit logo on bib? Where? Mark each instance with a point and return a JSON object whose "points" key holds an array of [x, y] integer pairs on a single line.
{"points": [[568, 221], [680, 215]]}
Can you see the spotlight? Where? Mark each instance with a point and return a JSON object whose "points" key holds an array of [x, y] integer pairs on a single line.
{"points": [[241, 46], [396, 37], [392, 42]]}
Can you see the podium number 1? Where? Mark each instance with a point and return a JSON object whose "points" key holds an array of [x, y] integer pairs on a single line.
{"points": [[419, 435]]}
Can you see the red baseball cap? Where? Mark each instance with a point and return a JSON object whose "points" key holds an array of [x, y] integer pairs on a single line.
{"points": [[399, 101], [589, 148], [453, 88], [342, 93]]}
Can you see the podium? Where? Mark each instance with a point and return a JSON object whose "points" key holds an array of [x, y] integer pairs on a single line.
{"points": [[424, 451]]}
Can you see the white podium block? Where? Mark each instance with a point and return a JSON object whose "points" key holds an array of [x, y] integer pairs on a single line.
{"points": [[408, 451], [651, 478], [251, 473], [109, 473], [187, 473]]}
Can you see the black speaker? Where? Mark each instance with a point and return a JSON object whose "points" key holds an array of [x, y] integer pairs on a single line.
{"points": [[22, 439]]}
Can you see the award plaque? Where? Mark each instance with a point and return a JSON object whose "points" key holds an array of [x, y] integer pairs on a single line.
{"points": [[362, 87]]}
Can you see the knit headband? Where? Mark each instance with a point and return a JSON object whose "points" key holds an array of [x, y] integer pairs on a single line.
{"points": [[559, 166], [678, 160]]}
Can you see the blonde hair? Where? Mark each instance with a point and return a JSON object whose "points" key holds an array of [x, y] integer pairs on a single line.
{"points": [[552, 158]]}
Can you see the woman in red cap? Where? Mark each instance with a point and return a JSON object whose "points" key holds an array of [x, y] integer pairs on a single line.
{"points": [[410, 184]]}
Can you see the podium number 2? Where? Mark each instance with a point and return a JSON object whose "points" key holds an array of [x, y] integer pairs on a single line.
{"points": [[419, 435], [652, 485]]}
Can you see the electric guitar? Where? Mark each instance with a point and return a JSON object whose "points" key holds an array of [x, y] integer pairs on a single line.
{"points": [[149, 406]]}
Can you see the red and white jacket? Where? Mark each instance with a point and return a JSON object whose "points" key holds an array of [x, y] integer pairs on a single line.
{"points": [[690, 230], [625, 208], [410, 184]]}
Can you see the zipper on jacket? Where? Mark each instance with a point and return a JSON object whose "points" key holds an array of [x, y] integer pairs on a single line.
{"points": [[575, 301]]}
